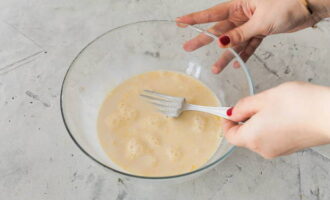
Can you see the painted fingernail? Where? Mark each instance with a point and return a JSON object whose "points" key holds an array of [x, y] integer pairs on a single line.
{"points": [[230, 111], [224, 40]]}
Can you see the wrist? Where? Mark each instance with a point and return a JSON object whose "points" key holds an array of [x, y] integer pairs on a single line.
{"points": [[320, 8]]}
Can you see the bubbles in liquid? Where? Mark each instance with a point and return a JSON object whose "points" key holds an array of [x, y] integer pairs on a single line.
{"points": [[145, 142], [174, 154], [126, 112], [153, 140], [134, 148], [155, 121], [199, 123], [113, 121], [130, 115]]}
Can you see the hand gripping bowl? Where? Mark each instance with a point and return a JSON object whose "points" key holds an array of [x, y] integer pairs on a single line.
{"points": [[133, 49]]}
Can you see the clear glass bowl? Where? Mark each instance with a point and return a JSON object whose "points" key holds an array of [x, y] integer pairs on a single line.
{"points": [[130, 50]]}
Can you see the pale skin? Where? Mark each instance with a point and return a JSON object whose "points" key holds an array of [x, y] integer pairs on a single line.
{"points": [[284, 119]]}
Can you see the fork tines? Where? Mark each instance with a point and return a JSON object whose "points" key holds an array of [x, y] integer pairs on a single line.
{"points": [[166, 104]]}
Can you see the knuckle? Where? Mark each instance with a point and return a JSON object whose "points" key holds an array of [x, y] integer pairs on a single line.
{"points": [[239, 35], [194, 17], [206, 16], [234, 139], [267, 30], [241, 103], [254, 143]]}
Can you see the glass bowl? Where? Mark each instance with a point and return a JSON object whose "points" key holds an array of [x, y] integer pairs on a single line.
{"points": [[133, 49]]}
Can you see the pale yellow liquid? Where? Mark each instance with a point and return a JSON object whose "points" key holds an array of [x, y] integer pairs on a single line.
{"points": [[145, 142]]}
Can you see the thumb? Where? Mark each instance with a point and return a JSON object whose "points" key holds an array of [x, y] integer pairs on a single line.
{"points": [[246, 108], [240, 34]]}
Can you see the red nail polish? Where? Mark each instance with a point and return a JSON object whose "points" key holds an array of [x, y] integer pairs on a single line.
{"points": [[224, 40], [230, 111]]}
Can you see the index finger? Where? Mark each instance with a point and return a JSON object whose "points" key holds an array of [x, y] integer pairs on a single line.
{"points": [[215, 13]]}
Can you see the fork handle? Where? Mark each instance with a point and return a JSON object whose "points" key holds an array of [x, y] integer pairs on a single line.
{"points": [[219, 111]]}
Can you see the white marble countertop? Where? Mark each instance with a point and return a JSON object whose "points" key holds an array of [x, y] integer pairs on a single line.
{"points": [[39, 39]]}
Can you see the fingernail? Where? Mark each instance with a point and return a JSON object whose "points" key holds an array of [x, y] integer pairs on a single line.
{"points": [[178, 19], [236, 64], [215, 69], [224, 40], [181, 25], [188, 47], [230, 111]]}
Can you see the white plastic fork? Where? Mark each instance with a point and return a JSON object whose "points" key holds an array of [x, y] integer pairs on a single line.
{"points": [[173, 106]]}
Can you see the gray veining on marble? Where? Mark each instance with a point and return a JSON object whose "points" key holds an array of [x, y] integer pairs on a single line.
{"points": [[40, 161]]}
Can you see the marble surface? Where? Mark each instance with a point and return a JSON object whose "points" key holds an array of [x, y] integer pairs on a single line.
{"points": [[38, 41]]}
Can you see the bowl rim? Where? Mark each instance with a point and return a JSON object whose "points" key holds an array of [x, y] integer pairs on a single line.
{"points": [[243, 65]]}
